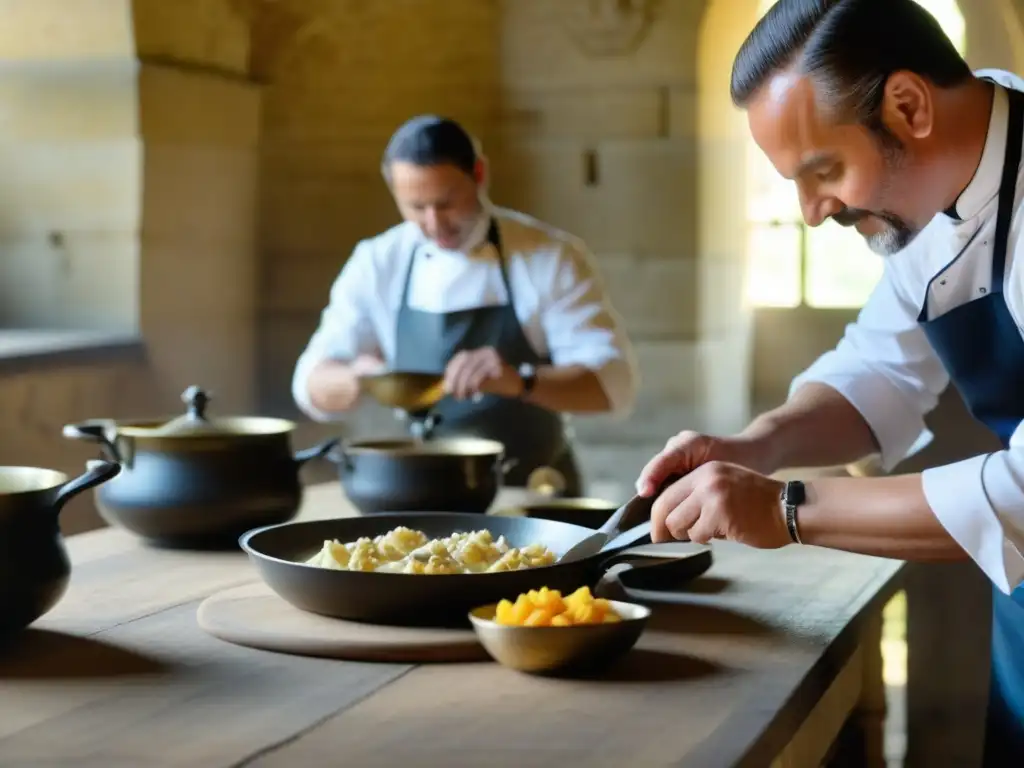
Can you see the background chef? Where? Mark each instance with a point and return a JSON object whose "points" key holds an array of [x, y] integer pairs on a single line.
{"points": [[512, 311]]}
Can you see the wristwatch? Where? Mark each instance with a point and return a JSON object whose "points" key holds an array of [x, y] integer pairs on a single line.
{"points": [[529, 376], [793, 495]]}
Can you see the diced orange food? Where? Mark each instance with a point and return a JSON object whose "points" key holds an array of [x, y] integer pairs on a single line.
{"points": [[547, 608]]}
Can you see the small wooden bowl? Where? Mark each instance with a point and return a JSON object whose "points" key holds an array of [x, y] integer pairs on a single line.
{"points": [[560, 650]]}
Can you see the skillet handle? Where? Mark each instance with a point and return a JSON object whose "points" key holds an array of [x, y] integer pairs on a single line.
{"points": [[653, 572]]}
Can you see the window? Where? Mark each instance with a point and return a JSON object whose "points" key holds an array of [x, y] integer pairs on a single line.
{"points": [[791, 264]]}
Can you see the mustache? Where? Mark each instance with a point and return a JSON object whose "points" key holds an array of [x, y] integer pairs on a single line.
{"points": [[850, 216]]}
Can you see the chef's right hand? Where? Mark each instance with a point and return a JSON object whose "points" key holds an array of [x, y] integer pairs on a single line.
{"points": [[688, 450], [366, 365]]}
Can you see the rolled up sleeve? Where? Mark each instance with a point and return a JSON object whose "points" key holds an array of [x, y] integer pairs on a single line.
{"points": [[886, 368], [582, 328], [980, 502], [345, 330]]}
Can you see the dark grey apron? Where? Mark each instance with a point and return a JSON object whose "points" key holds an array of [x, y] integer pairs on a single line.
{"points": [[533, 436]]}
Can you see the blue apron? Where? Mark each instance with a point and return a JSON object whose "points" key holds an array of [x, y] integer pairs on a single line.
{"points": [[535, 437], [981, 348]]}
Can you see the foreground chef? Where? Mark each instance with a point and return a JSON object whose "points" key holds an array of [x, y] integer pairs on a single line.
{"points": [[510, 310], [869, 109]]}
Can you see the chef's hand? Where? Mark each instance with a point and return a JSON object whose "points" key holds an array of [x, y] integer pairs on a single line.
{"points": [[367, 365], [688, 450], [718, 500], [479, 371]]}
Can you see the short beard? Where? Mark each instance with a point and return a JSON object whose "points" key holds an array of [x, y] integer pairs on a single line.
{"points": [[898, 233]]}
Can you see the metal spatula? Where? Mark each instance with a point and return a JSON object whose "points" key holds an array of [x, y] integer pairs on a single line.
{"points": [[626, 518]]}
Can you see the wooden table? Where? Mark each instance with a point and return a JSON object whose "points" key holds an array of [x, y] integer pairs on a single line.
{"points": [[760, 662]]}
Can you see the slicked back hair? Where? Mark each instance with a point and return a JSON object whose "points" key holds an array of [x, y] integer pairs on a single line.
{"points": [[848, 48], [428, 140]]}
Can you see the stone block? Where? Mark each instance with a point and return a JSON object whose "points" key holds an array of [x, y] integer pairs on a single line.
{"points": [[86, 280], [210, 33], [318, 216], [583, 114], [657, 296], [200, 194], [70, 101], [68, 186], [540, 48], [66, 29], [639, 199], [194, 285], [182, 106]]}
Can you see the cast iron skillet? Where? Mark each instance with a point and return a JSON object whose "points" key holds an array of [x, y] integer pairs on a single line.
{"points": [[278, 552]]}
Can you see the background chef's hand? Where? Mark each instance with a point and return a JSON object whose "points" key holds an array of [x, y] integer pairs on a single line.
{"points": [[481, 371], [689, 450], [367, 365], [718, 500]]}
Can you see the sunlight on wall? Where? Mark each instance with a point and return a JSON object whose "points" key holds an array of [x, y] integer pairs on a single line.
{"points": [[841, 271]]}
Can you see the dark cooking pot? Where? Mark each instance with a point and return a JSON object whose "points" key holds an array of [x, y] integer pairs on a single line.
{"points": [[458, 474], [195, 482], [34, 565]]}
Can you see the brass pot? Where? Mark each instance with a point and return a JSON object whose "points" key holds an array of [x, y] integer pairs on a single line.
{"points": [[197, 482]]}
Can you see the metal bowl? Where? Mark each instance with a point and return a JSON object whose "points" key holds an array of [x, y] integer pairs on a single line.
{"points": [[406, 390], [560, 650]]}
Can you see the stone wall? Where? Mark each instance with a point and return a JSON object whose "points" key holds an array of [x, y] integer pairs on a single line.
{"points": [[599, 142], [128, 137]]}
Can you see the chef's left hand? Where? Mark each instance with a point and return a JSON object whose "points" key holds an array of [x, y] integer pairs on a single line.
{"points": [[481, 371], [721, 501]]}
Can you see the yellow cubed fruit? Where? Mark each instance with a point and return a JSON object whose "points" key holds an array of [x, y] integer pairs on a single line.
{"points": [[539, 618]]}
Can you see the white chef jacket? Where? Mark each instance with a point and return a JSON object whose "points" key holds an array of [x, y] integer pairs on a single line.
{"points": [[558, 294], [887, 369]]}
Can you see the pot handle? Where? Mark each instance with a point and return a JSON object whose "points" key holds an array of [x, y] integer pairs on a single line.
{"points": [[98, 472], [94, 432], [317, 451]]}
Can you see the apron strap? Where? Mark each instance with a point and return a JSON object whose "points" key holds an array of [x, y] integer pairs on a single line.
{"points": [[494, 238], [1008, 187]]}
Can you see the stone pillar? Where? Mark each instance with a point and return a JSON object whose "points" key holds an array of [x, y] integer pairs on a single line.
{"points": [[598, 138]]}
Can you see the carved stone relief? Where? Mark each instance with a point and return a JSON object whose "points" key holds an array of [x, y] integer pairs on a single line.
{"points": [[604, 28]]}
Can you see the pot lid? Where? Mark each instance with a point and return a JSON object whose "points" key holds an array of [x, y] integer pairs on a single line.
{"points": [[193, 422]]}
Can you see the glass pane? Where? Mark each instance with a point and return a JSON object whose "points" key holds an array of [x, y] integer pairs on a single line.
{"points": [[770, 197], [841, 270], [773, 269]]}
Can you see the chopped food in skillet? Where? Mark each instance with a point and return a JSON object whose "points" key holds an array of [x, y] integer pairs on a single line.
{"points": [[404, 550]]}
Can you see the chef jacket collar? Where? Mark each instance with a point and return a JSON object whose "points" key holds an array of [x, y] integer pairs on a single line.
{"points": [[984, 185]]}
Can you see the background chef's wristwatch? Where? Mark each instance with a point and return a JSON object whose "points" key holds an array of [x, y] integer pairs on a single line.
{"points": [[529, 376], [793, 495]]}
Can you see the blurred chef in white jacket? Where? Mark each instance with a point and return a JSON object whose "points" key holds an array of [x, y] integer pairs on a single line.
{"points": [[511, 311]]}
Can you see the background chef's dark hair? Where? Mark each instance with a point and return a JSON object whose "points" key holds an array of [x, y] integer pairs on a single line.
{"points": [[431, 140], [848, 48]]}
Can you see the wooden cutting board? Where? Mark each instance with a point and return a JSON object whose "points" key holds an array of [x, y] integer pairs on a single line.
{"points": [[253, 616]]}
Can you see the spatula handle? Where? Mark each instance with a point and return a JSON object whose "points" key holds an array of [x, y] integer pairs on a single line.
{"points": [[633, 512]]}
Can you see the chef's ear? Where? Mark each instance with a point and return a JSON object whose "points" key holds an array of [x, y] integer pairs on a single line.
{"points": [[480, 171], [907, 106]]}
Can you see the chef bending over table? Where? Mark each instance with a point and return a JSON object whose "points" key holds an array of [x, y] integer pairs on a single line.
{"points": [[511, 311], [882, 125]]}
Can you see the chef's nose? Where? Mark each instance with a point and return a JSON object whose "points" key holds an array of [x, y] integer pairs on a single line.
{"points": [[817, 208], [430, 218]]}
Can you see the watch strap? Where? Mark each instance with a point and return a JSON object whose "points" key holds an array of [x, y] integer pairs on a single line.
{"points": [[793, 495]]}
